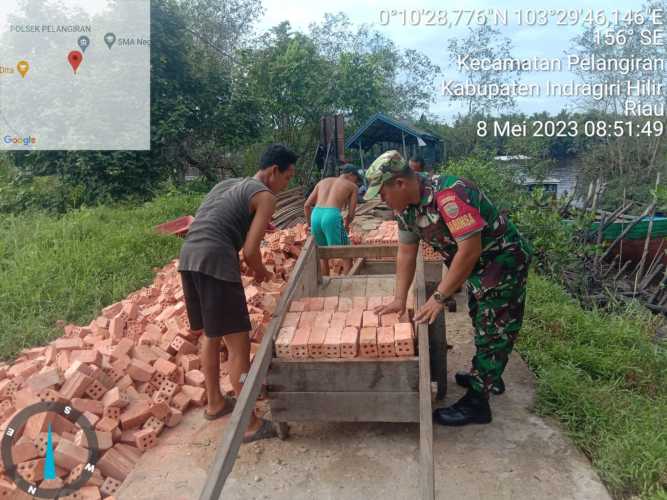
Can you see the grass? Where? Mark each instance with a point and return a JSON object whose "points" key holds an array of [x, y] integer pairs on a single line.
{"points": [[72, 266], [604, 378]]}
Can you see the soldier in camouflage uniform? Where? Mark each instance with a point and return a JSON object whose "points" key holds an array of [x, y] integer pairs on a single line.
{"points": [[481, 247]]}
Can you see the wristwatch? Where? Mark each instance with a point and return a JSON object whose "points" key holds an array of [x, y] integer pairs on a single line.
{"points": [[439, 298]]}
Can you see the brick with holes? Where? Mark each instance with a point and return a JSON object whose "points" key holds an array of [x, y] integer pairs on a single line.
{"points": [[349, 342], [291, 319], [190, 362], [154, 423], [283, 341], [370, 319], [368, 347], [330, 303], [299, 345], [135, 415], [344, 304], [195, 377], [316, 340], [315, 304], [167, 368], [359, 303], [297, 306], [385, 339], [354, 318], [68, 455], [95, 390], [197, 394], [332, 341], [404, 339], [307, 319], [140, 371], [145, 438]]}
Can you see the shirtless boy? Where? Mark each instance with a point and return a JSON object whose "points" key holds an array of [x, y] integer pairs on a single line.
{"points": [[326, 202]]}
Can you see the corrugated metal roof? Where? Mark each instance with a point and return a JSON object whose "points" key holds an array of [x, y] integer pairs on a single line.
{"points": [[381, 127]]}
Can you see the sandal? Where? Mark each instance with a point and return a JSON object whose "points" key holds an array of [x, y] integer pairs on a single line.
{"points": [[266, 431], [226, 410]]}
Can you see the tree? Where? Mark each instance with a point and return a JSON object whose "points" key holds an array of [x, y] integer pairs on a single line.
{"points": [[484, 42]]}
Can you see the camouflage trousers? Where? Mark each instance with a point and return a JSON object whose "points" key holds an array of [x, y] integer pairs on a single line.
{"points": [[497, 319]]}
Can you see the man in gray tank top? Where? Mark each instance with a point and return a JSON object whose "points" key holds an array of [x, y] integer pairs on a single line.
{"points": [[232, 218]]}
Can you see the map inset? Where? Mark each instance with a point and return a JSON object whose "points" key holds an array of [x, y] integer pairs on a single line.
{"points": [[75, 75]]}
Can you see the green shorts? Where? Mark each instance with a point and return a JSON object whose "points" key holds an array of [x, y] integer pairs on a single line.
{"points": [[327, 227]]}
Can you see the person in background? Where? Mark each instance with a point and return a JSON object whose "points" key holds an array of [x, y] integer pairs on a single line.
{"points": [[233, 217], [417, 164], [324, 209]]}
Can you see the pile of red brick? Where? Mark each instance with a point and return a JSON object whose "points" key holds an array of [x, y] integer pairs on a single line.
{"points": [[132, 371], [343, 327], [387, 234]]}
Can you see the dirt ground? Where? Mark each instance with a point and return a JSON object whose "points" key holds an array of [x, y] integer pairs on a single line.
{"points": [[518, 456]]}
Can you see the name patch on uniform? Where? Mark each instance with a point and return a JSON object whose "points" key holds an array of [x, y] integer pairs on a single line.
{"points": [[461, 219]]}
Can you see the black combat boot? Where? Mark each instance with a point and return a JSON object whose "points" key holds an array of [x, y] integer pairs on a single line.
{"points": [[473, 408], [463, 379]]}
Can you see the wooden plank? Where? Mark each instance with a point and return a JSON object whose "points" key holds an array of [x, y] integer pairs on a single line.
{"points": [[427, 481], [345, 406], [358, 251], [374, 286], [329, 288], [373, 267], [356, 266], [359, 285], [231, 440], [353, 375]]}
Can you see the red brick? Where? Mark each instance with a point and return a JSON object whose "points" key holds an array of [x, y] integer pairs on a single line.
{"points": [[359, 303], [110, 486], [297, 306], [332, 342], [373, 302], [167, 368], [125, 383], [385, 338], [68, 455], [135, 415], [75, 386], [330, 303], [174, 418], [115, 397], [368, 343], [370, 319], [180, 401], [344, 304], [354, 318], [122, 348], [104, 439], [388, 299], [196, 394], [145, 438], [299, 345], [315, 304], [95, 390], [117, 326], [283, 341], [195, 377], [112, 310], [190, 362], [115, 464], [181, 346], [316, 340], [107, 424], [68, 344], [89, 356], [154, 423], [90, 405], [404, 339], [140, 371], [389, 319], [160, 410], [24, 369], [24, 450], [349, 342], [32, 470], [24, 397], [307, 320], [291, 319], [44, 380]]}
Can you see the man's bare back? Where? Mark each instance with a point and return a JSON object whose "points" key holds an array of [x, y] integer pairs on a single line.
{"points": [[334, 192]]}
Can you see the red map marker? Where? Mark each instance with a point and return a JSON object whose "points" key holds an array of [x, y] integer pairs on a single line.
{"points": [[75, 58]]}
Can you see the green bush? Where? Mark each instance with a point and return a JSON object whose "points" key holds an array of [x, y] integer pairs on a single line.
{"points": [[69, 267], [605, 379]]}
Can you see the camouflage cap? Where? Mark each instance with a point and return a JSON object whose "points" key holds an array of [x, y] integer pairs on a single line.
{"points": [[385, 167]]}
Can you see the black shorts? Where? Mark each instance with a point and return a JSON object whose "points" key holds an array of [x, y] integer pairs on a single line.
{"points": [[219, 307]]}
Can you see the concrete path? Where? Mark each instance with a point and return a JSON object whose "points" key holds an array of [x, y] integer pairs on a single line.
{"points": [[518, 456]]}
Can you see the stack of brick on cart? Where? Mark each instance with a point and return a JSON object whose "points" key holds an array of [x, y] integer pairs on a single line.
{"points": [[132, 371], [343, 327], [387, 234]]}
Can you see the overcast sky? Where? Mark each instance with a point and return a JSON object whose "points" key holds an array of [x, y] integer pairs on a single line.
{"points": [[548, 41]]}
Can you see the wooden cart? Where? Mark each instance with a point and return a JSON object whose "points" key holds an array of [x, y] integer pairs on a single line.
{"points": [[357, 389]]}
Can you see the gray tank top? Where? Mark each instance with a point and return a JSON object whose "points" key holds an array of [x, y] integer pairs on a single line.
{"points": [[219, 230]]}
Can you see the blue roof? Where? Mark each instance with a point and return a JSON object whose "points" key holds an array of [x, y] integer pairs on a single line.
{"points": [[382, 128]]}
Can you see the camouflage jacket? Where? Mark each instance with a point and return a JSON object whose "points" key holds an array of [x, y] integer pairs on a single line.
{"points": [[452, 209]]}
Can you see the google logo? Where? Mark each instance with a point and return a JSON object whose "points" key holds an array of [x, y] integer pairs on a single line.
{"points": [[25, 141]]}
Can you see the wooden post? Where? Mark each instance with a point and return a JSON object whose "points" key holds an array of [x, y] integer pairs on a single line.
{"points": [[405, 155], [361, 155], [647, 241]]}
